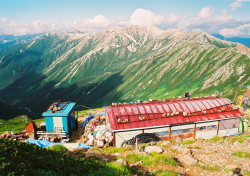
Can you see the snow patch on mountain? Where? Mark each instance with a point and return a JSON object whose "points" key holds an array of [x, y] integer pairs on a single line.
{"points": [[157, 46], [240, 70], [132, 47], [34, 41]]}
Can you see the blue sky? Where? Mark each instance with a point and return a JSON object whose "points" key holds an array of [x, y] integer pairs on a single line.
{"points": [[228, 17]]}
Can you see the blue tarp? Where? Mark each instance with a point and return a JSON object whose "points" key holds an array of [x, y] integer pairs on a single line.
{"points": [[99, 114], [86, 121], [45, 143]]}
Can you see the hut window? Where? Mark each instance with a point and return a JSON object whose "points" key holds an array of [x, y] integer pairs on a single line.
{"points": [[212, 127], [163, 133], [183, 130], [188, 130], [207, 128], [176, 131], [202, 128]]}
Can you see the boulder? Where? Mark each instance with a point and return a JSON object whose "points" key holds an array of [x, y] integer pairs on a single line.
{"points": [[186, 159], [178, 140], [122, 161], [166, 143], [150, 149], [231, 166], [182, 150], [117, 154]]}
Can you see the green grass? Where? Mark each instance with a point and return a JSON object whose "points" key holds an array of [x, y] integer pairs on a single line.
{"points": [[210, 168], [228, 170], [18, 158], [39, 120], [17, 124], [155, 159], [172, 141], [143, 146], [118, 168], [89, 111], [190, 141], [239, 138], [195, 147], [84, 113], [241, 154], [59, 148], [111, 150], [173, 150], [165, 173], [215, 139]]}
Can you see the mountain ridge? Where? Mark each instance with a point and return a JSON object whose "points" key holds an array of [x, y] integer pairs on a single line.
{"points": [[120, 64]]}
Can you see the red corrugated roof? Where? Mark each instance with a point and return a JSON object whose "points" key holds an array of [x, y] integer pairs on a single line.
{"points": [[170, 112]]}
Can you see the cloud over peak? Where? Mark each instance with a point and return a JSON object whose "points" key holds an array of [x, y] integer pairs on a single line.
{"points": [[98, 21], [206, 12], [145, 17]]}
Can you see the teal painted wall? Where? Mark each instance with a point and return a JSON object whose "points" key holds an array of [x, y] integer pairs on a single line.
{"points": [[65, 125], [49, 124]]}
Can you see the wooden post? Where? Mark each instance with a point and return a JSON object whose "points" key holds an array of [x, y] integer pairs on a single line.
{"points": [[170, 132], [218, 128], [136, 144], [195, 131], [114, 143]]}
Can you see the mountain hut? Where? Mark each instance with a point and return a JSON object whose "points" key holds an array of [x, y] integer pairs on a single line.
{"points": [[172, 118]]}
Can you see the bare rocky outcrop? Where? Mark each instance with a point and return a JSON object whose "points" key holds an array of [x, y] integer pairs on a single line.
{"points": [[151, 149], [243, 48]]}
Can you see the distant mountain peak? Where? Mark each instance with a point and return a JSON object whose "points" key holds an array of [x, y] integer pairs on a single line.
{"points": [[244, 41]]}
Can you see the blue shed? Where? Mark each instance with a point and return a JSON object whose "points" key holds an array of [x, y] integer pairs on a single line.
{"points": [[60, 117]]}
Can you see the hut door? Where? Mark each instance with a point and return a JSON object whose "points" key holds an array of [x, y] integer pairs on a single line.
{"points": [[58, 124]]}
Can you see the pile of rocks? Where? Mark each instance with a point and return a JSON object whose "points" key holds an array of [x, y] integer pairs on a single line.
{"points": [[19, 136], [97, 133]]}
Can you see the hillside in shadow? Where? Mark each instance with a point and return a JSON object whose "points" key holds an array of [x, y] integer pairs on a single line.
{"points": [[30, 96]]}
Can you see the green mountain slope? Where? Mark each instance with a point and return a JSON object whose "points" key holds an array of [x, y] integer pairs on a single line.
{"points": [[122, 64]]}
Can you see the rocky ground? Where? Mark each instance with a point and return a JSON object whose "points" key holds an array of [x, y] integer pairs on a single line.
{"points": [[202, 157]]}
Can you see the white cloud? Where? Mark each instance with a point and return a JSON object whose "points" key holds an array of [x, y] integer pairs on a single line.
{"points": [[35, 27], [235, 5], [196, 30], [98, 21], [4, 19], [145, 17], [230, 32], [174, 18], [206, 12], [224, 23], [91, 24], [240, 31], [225, 16]]}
